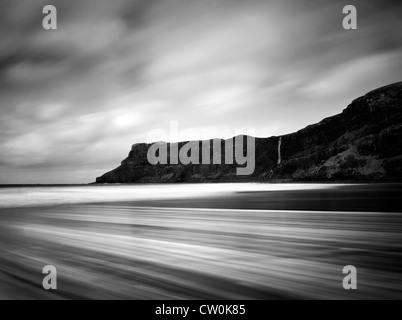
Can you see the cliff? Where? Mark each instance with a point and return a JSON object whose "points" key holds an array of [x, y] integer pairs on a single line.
{"points": [[361, 143]]}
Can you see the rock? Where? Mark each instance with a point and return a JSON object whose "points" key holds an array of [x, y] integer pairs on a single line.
{"points": [[196, 178], [361, 143], [167, 177]]}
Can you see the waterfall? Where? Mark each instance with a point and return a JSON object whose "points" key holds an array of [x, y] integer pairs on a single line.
{"points": [[279, 151]]}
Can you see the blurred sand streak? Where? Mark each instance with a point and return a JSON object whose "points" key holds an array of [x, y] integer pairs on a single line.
{"points": [[105, 251]]}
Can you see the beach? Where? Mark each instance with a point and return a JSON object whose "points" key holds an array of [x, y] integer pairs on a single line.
{"points": [[235, 241]]}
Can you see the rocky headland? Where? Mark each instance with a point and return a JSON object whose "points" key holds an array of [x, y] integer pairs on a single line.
{"points": [[363, 143]]}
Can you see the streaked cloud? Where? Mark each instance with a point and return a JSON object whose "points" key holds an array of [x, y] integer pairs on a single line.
{"points": [[73, 101]]}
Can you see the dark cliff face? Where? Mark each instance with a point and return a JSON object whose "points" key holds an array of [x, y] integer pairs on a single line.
{"points": [[361, 143]]}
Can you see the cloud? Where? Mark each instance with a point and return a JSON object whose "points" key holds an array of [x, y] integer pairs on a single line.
{"points": [[73, 101], [339, 80]]}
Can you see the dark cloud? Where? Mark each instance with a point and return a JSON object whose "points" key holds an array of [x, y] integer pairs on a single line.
{"points": [[136, 14], [6, 62]]}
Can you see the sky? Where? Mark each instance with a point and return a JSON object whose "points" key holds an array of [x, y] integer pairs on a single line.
{"points": [[74, 100]]}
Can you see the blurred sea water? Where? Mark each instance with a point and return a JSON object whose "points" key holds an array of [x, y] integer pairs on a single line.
{"points": [[44, 196], [201, 241]]}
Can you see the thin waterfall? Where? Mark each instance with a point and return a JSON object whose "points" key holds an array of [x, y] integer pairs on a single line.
{"points": [[279, 150]]}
